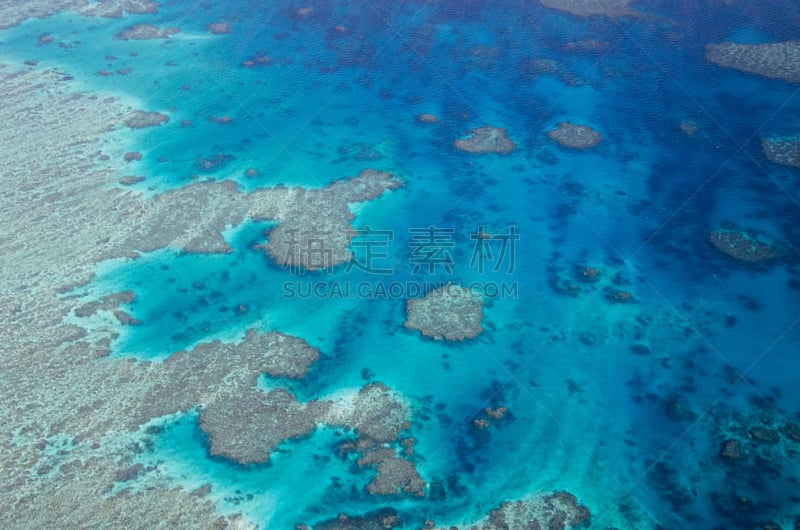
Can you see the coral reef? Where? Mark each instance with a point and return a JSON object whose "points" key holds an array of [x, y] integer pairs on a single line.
{"points": [[486, 140], [540, 65], [360, 151], [141, 119], [145, 32], [374, 413], [106, 303], [536, 66], [378, 417], [677, 408], [426, 118], [209, 374], [481, 423], [619, 296], [792, 432], [764, 435], [81, 490], [451, 312], [575, 136], [731, 450], [247, 428], [394, 474], [280, 355], [482, 56], [58, 362], [384, 519], [130, 180], [229, 421], [553, 511], [15, 13], [758, 457], [214, 162], [315, 229], [587, 45], [688, 127], [785, 150], [589, 274], [579, 279], [221, 120], [219, 28], [489, 417], [255, 60], [777, 60], [742, 246], [496, 413], [116, 8], [585, 8]]}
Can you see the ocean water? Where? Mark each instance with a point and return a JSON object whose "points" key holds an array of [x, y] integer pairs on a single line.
{"points": [[625, 405]]}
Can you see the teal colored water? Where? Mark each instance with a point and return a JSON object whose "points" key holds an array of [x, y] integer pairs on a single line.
{"points": [[625, 405]]}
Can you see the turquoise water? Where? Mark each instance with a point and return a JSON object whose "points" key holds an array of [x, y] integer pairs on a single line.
{"points": [[589, 383]]}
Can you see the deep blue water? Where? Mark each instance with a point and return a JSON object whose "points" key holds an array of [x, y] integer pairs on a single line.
{"points": [[590, 383]]}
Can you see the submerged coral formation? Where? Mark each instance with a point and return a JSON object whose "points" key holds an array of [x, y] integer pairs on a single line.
{"points": [[375, 413], [281, 355], [15, 13], [394, 474], [427, 118], [383, 519], [77, 496], [778, 60], [537, 66], [585, 8], [315, 228], [360, 151], [59, 362], [486, 140], [783, 150], [116, 8], [130, 180], [553, 511], [792, 432], [451, 312], [575, 136], [757, 447], [210, 373], [141, 120], [743, 246], [145, 32], [107, 303], [247, 428], [378, 416], [255, 60], [219, 28]]}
